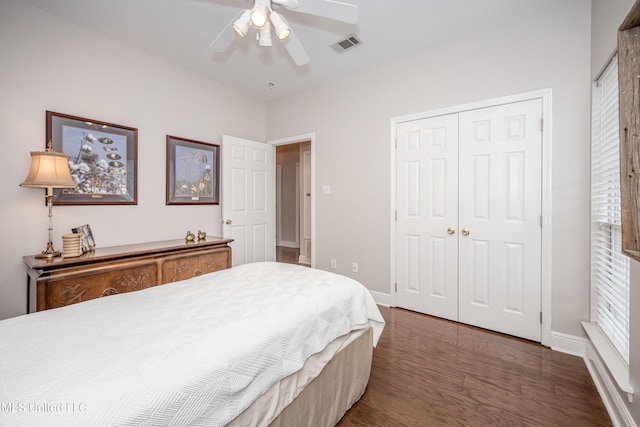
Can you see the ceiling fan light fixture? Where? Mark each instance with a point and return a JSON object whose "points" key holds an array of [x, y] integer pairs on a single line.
{"points": [[241, 26], [265, 35], [259, 14], [280, 25]]}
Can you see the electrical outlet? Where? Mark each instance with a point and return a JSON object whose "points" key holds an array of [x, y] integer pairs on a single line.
{"points": [[354, 267], [334, 264]]}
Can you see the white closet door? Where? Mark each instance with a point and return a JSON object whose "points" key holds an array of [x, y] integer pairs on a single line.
{"points": [[500, 207], [427, 206]]}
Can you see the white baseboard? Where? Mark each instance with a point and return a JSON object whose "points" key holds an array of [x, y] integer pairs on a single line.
{"points": [[381, 298], [287, 244], [569, 344], [304, 260]]}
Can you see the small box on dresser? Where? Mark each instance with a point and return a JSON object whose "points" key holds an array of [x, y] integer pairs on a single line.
{"points": [[107, 271]]}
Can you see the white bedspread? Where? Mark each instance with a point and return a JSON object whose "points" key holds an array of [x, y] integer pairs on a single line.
{"points": [[196, 352]]}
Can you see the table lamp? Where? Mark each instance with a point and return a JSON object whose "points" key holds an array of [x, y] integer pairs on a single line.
{"points": [[49, 170]]}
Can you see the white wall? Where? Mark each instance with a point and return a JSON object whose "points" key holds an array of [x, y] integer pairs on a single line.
{"points": [[607, 15], [351, 119], [48, 64]]}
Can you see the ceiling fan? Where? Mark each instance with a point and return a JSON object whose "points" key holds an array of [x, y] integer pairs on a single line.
{"points": [[263, 17]]}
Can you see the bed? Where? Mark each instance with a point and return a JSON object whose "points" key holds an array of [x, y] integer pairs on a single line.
{"points": [[258, 344]]}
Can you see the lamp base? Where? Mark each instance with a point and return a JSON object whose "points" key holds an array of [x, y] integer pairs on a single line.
{"points": [[49, 253]]}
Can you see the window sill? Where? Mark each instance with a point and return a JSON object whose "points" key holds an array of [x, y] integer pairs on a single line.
{"points": [[610, 357]]}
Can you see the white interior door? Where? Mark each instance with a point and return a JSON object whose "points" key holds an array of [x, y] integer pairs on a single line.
{"points": [[305, 209], [248, 199], [427, 211], [469, 200], [500, 208]]}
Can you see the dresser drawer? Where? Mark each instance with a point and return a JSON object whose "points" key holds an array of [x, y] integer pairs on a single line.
{"points": [[68, 289], [185, 266]]}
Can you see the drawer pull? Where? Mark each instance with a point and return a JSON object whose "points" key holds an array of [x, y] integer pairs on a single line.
{"points": [[197, 273], [107, 292]]}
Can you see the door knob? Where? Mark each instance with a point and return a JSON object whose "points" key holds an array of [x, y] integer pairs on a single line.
{"points": [[465, 231], [450, 230], [228, 222]]}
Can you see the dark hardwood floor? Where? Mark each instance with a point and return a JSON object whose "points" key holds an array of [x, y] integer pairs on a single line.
{"points": [[432, 372], [288, 255]]}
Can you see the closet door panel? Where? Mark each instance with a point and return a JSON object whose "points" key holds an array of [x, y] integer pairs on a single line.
{"points": [[427, 207], [500, 207]]}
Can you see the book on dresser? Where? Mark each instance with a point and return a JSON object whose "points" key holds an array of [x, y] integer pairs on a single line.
{"points": [[106, 271]]}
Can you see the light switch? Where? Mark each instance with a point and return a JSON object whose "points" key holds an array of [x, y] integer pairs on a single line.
{"points": [[326, 189]]}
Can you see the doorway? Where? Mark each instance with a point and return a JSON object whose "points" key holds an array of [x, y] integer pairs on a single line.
{"points": [[294, 200]]}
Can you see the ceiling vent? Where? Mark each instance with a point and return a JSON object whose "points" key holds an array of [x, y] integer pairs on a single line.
{"points": [[349, 42]]}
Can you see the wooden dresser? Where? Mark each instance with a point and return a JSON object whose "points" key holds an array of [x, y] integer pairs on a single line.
{"points": [[107, 271]]}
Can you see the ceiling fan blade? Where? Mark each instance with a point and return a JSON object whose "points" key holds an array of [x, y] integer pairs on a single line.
{"points": [[295, 49], [226, 36], [289, 4], [326, 8]]}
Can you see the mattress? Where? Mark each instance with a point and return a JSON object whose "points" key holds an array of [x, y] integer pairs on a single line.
{"points": [[196, 352]]}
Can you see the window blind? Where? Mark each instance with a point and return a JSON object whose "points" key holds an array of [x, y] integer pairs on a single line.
{"points": [[609, 267]]}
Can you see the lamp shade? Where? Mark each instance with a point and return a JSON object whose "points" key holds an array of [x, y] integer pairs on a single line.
{"points": [[49, 170]]}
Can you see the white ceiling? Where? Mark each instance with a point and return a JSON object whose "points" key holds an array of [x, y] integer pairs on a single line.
{"points": [[180, 32]]}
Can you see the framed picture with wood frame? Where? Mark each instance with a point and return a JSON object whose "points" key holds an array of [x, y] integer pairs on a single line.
{"points": [[629, 128], [102, 160], [193, 176]]}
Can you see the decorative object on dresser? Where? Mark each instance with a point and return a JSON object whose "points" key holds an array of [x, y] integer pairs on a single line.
{"points": [[49, 170], [87, 241], [111, 270], [102, 159], [71, 245], [193, 176]]}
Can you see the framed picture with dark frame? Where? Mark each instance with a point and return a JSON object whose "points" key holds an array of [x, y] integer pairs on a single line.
{"points": [[193, 176], [102, 160]]}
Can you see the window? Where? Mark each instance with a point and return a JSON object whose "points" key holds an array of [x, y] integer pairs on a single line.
{"points": [[609, 267]]}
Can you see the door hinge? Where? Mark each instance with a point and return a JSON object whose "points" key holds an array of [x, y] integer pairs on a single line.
{"points": [[541, 124], [540, 221], [396, 287], [396, 215], [540, 317], [396, 143]]}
